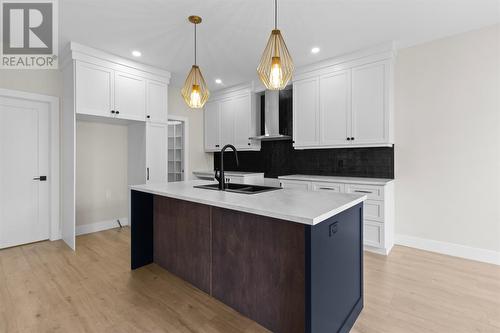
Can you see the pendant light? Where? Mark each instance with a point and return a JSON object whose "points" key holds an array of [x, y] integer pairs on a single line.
{"points": [[195, 91], [276, 64]]}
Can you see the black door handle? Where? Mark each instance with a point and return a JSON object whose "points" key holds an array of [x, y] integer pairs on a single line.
{"points": [[147, 169], [41, 178]]}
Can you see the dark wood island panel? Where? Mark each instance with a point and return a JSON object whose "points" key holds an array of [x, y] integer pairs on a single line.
{"points": [[258, 268], [182, 240]]}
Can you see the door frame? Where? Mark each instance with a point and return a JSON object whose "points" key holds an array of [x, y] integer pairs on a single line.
{"points": [[55, 232], [187, 174]]}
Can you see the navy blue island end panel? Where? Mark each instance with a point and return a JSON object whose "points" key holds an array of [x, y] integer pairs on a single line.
{"points": [[334, 272]]}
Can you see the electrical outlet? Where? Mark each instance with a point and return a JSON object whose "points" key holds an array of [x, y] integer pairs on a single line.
{"points": [[332, 230]]}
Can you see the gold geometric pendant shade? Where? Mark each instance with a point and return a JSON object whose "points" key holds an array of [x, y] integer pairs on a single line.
{"points": [[276, 64], [195, 91]]}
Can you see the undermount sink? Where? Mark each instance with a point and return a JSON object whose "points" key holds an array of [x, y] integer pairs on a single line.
{"points": [[239, 188]]}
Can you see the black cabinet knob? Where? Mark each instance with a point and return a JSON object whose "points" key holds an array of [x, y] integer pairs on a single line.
{"points": [[117, 112], [148, 116], [352, 138], [348, 139], [112, 111], [249, 144]]}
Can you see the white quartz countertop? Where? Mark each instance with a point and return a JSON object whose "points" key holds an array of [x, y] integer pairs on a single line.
{"points": [[335, 179], [294, 205], [209, 173]]}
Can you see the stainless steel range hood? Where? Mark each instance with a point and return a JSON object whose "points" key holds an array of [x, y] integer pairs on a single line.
{"points": [[271, 118]]}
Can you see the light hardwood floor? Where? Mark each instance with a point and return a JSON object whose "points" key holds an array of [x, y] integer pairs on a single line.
{"points": [[45, 287]]}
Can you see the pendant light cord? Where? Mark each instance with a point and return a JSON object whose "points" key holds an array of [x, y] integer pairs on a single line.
{"points": [[275, 14], [195, 43]]}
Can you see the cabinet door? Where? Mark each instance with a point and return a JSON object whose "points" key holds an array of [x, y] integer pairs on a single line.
{"points": [[156, 153], [94, 87], [242, 121], [130, 96], [227, 108], [156, 107], [305, 112], [212, 125], [335, 108], [370, 110]]}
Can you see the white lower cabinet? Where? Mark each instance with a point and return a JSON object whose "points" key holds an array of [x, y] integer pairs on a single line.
{"points": [[378, 212], [295, 184], [327, 187], [373, 234]]}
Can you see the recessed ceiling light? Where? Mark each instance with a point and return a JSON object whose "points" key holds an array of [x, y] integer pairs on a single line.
{"points": [[136, 53], [218, 81], [315, 50]]}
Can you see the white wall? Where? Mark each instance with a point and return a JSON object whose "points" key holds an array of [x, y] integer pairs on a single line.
{"points": [[198, 159], [447, 152], [47, 82], [101, 172]]}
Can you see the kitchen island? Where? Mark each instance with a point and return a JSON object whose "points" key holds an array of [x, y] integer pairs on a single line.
{"points": [[291, 260]]}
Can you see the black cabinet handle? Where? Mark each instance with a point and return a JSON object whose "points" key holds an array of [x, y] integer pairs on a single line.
{"points": [[352, 138], [147, 169], [117, 112], [216, 145], [348, 139], [148, 116], [41, 178], [112, 111], [249, 144]]}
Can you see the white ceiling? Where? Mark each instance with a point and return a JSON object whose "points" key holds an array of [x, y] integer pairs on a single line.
{"points": [[234, 32]]}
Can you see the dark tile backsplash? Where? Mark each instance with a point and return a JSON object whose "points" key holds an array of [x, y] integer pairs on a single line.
{"points": [[278, 158]]}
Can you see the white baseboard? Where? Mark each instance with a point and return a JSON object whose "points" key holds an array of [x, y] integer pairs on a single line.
{"points": [[99, 226], [456, 250]]}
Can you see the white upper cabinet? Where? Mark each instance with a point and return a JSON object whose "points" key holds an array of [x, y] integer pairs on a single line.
{"points": [[227, 110], [94, 90], [156, 102], [108, 86], [335, 99], [345, 102], [306, 112], [230, 118], [243, 121], [130, 96], [369, 104], [212, 125]]}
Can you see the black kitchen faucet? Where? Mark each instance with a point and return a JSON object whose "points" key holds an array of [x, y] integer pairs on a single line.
{"points": [[219, 175]]}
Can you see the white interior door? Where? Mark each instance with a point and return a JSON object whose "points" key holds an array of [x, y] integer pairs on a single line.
{"points": [[24, 157]]}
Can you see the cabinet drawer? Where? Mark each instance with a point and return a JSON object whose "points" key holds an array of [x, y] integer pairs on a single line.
{"points": [[295, 184], [371, 191], [327, 187], [374, 210], [235, 179], [373, 234]]}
